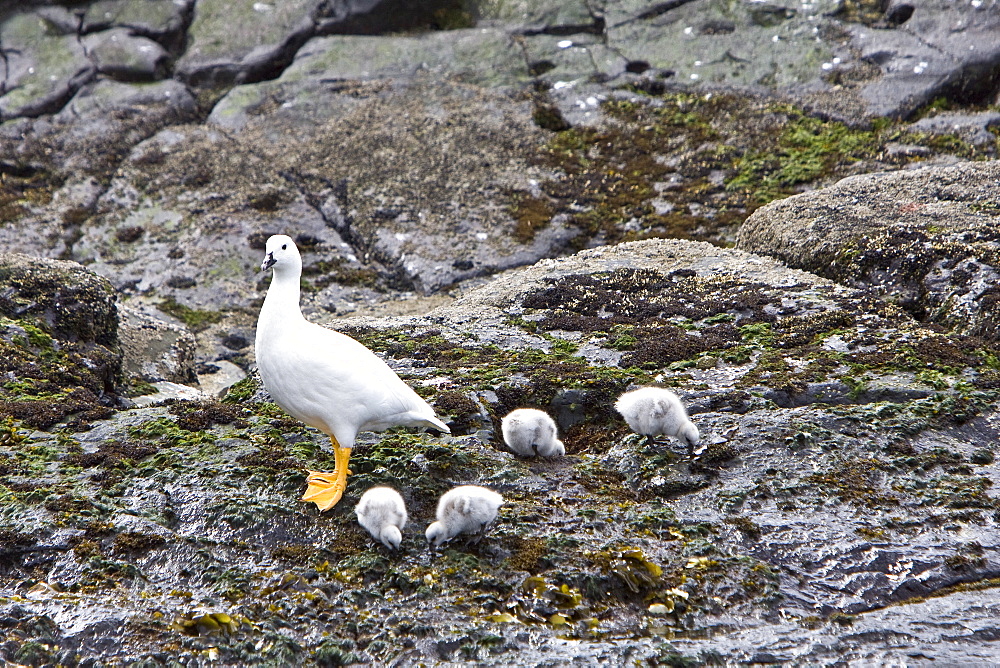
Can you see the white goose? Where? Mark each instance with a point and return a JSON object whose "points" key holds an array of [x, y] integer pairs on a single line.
{"points": [[324, 378]]}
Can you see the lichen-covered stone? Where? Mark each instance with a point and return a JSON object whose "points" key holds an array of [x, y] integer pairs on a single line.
{"points": [[122, 55], [161, 19], [59, 346], [924, 239], [719, 42], [155, 350], [42, 70], [936, 47], [232, 41], [73, 303]]}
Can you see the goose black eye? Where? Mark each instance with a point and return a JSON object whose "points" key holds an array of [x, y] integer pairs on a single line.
{"points": [[284, 246]]}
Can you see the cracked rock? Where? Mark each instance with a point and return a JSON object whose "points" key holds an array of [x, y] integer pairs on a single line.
{"points": [[230, 42], [121, 55], [43, 70]]}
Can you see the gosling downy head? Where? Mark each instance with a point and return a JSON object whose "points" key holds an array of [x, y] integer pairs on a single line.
{"points": [[382, 512], [437, 535], [689, 433], [530, 432]]}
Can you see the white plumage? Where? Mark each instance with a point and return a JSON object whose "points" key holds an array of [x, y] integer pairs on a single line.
{"points": [[528, 432], [651, 411], [324, 378], [382, 512], [464, 509]]}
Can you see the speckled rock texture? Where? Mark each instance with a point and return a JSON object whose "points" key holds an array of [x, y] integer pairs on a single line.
{"points": [[411, 148], [59, 349], [925, 239], [852, 58], [156, 350], [420, 153], [847, 474]]}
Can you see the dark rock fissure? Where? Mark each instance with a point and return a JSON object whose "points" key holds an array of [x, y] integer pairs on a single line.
{"points": [[595, 28]]}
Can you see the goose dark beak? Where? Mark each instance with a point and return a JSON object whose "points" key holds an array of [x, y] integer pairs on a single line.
{"points": [[268, 262]]}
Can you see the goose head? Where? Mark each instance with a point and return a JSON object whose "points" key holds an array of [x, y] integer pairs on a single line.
{"points": [[281, 254]]}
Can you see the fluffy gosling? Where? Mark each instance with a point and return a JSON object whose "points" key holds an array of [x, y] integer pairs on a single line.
{"points": [[465, 509], [382, 512], [529, 432], [651, 411]]}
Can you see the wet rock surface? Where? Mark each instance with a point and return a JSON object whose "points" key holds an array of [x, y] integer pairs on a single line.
{"points": [[156, 350], [807, 529], [842, 508]]}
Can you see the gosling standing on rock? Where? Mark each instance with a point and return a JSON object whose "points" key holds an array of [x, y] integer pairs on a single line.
{"points": [[324, 378], [382, 512], [651, 411], [465, 509], [528, 432]]}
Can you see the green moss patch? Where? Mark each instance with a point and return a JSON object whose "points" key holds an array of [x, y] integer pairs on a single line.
{"points": [[58, 343], [197, 320], [722, 156]]}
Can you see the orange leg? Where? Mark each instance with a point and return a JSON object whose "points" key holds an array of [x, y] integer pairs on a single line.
{"points": [[325, 489]]}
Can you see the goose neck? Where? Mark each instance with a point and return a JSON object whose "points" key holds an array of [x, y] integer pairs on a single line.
{"points": [[282, 301]]}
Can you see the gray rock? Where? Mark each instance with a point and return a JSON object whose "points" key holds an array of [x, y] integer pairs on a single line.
{"points": [[161, 20], [225, 375], [974, 128], [152, 231], [121, 55], [90, 108], [166, 390], [233, 43], [895, 149], [570, 17], [942, 48], [41, 70], [154, 349], [141, 502], [923, 238], [78, 148], [575, 59], [377, 173], [311, 90], [841, 430], [718, 42], [59, 19], [503, 297]]}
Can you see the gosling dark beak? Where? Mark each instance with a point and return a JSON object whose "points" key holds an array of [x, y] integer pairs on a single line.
{"points": [[268, 262]]}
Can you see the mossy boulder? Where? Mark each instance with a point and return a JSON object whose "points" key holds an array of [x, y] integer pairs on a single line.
{"points": [[74, 304], [59, 340], [45, 67], [925, 239]]}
